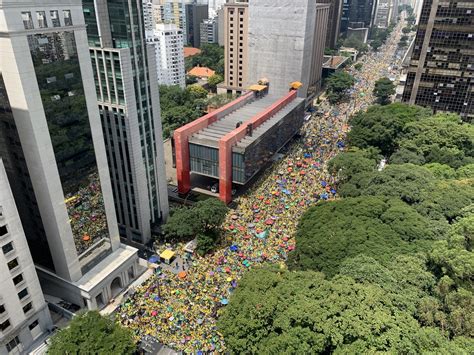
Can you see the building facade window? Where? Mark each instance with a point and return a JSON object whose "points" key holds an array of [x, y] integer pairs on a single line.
{"points": [[27, 20], [18, 279], [41, 17], [7, 248], [4, 325], [28, 307], [67, 17], [12, 264], [54, 14], [23, 293], [12, 344]]}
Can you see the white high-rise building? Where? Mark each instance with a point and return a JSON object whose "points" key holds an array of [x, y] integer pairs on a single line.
{"points": [[54, 153], [24, 314], [209, 31], [168, 42]]}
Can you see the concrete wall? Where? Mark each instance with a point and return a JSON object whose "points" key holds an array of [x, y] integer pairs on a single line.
{"points": [[281, 41]]}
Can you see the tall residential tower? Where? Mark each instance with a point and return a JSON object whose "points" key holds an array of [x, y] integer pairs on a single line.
{"points": [[54, 153], [126, 84]]}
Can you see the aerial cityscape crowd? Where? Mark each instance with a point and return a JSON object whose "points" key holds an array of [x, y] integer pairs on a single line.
{"points": [[130, 130], [182, 312]]}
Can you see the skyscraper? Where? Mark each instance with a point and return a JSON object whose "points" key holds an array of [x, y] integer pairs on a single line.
{"points": [[167, 41], [54, 154], [286, 40], [24, 314], [236, 22], [441, 72], [195, 14], [124, 67], [334, 22], [357, 14]]}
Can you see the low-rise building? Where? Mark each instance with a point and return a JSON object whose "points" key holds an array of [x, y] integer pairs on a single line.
{"points": [[233, 143]]}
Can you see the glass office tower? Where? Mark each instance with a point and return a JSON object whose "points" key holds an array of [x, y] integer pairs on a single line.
{"points": [[127, 92]]}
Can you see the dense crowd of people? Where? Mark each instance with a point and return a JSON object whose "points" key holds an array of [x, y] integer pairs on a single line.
{"points": [[182, 312]]}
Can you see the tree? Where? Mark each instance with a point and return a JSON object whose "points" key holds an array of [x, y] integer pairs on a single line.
{"points": [[338, 84], [91, 333], [275, 311], [378, 227], [346, 165], [358, 66], [380, 126], [354, 42], [202, 221], [441, 171], [443, 139], [211, 56], [191, 79], [197, 91], [406, 30], [214, 80], [376, 44], [383, 90], [182, 224]]}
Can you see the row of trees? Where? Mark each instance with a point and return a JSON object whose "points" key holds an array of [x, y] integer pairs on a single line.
{"points": [[387, 268], [380, 35]]}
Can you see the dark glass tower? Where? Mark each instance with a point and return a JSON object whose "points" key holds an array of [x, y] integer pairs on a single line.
{"points": [[127, 93], [441, 73]]}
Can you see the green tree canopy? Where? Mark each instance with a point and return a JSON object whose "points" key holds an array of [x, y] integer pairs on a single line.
{"points": [[202, 221], [275, 311], [355, 161], [380, 126], [214, 80], [383, 90], [378, 227], [441, 139], [338, 84], [211, 56], [354, 42], [91, 333]]}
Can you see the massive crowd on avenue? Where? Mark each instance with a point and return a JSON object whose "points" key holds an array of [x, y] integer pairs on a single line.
{"points": [[181, 312]]}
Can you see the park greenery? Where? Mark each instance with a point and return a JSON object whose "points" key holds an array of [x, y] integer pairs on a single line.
{"points": [[201, 222], [384, 88], [181, 106], [386, 267], [91, 333], [211, 56], [338, 85]]}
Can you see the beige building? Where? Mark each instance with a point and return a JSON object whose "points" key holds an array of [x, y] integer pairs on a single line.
{"points": [[236, 23]]}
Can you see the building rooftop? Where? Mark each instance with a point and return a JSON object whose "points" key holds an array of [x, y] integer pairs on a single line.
{"points": [[211, 135], [201, 72], [334, 62], [190, 51]]}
